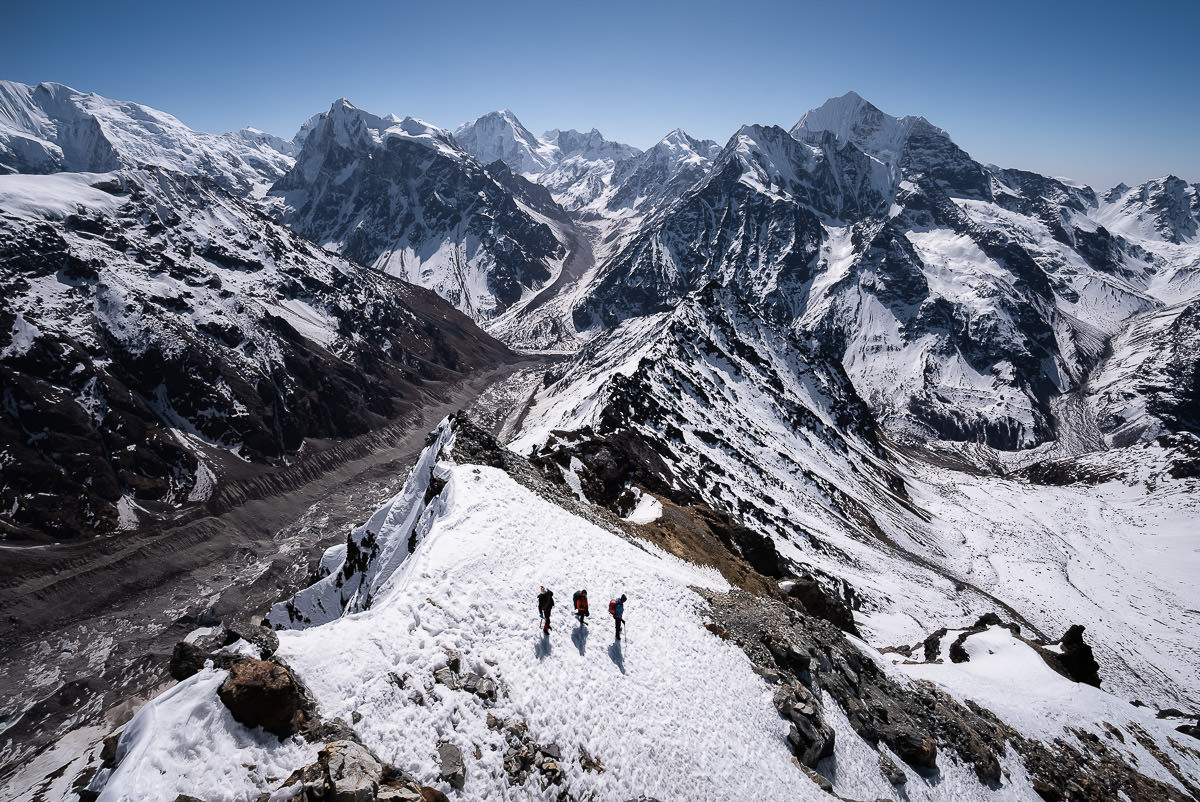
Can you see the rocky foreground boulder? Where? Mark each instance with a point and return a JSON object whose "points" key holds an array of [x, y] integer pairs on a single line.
{"points": [[263, 694]]}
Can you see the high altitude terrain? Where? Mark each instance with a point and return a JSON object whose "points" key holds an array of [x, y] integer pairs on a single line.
{"points": [[893, 451]]}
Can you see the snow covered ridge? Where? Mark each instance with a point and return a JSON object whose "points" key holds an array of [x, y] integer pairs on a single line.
{"points": [[444, 674], [52, 128], [158, 330]]}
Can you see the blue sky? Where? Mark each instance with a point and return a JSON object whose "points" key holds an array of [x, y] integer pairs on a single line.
{"points": [[1100, 92]]}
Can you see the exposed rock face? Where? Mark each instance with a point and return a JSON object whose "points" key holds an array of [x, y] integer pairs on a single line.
{"points": [[262, 694], [353, 773], [188, 659], [401, 196], [820, 603]]}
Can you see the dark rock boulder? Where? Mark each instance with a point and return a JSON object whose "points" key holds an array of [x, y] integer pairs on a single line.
{"points": [[821, 603], [265, 639], [188, 659], [933, 645], [263, 694], [1077, 657]]}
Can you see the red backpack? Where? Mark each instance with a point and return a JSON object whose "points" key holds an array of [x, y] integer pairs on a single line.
{"points": [[612, 607]]}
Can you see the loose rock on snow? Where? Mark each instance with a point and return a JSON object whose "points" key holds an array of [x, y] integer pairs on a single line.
{"points": [[262, 694]]}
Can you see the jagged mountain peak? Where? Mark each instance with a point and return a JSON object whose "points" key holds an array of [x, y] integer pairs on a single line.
{"points": [[591, 145], [681, 140], [354, 128], [852, 118], [499, 135]]}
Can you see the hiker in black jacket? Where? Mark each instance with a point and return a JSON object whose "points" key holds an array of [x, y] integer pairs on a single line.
{"points": [[545, 605]]}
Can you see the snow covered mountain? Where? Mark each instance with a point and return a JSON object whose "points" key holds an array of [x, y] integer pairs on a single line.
{"points": [[499, 135], [160, 336], [963, 300], [584, 168], [661, 174], [576, 167], [402, 197], [52, 128]]}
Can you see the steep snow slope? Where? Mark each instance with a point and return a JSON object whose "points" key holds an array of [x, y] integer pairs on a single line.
{"points": [[52, 128], [159, 334], [402, 197]]}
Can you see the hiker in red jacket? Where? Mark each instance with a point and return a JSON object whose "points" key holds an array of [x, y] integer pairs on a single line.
{"points": [[581, 606]]}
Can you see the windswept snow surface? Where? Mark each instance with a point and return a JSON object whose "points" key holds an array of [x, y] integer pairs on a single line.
{"points": [[471, 586]]}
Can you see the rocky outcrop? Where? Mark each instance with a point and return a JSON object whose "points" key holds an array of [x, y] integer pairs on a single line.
{"points": [[524, 757], [452, 767], [188, 657], [820, 603], [809, 658], [812, 657], [347, 771], [263, 694]]}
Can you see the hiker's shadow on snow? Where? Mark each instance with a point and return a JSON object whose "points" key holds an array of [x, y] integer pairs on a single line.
{"points": [[614, 652], [541, 647], [580, 637]]}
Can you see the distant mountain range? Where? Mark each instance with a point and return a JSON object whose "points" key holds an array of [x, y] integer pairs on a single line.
{"points": [[837, 378]]}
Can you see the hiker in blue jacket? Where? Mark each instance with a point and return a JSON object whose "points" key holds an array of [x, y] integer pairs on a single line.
{"points": [[616, 608]]}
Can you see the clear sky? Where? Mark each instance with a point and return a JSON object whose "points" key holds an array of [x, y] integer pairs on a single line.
{"points": [[1101, 92]]}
